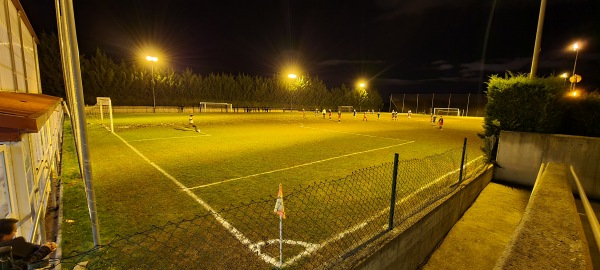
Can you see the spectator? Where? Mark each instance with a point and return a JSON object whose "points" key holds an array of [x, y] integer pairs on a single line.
{"points": [[24, 253]]}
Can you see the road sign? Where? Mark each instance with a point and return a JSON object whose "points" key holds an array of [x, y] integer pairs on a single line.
{"points": [[575, 78]]}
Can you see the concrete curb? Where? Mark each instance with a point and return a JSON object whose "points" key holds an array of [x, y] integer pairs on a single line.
{"points": [[550, 234]]}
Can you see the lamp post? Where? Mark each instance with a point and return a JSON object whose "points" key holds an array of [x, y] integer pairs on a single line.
{"points": [[362, 94], [574, 79], [564, 76], [292, 77], [153, 60]]}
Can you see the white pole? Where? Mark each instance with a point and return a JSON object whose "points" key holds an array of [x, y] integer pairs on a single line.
{"points": [[403, 97], [432, 97], [70, 52], [417, 109], [468, 99], [280, 241], [538, 40]]}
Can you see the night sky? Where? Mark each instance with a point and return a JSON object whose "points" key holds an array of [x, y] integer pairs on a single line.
{"points": [[400, 46]]}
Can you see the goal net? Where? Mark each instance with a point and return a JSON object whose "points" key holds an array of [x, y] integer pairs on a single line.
{"points": [[446, 111], [346, 108], [215, 107], [101, 113]]}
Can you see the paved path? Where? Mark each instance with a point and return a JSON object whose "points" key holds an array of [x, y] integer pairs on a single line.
{"points": [[480, 236], [478, 239]]}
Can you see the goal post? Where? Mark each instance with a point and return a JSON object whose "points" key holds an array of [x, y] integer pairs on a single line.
{"points": [[215, 107], [446, 111], [345, 108], [102, 112]]}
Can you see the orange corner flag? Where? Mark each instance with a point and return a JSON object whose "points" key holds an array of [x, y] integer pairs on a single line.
{"points": [[279, 203]]}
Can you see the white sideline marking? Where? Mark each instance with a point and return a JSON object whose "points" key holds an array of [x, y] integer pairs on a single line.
{"points": [[297, 166], [357, 134], [167, 138], [237, 234]]}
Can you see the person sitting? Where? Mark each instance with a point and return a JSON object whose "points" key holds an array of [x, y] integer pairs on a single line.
{"points": [[24, 253]]}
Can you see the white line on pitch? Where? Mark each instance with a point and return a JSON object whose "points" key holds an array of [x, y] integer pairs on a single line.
{"points": [[298, 166], [357, 134], [237, 234], [167, 138], [384, 211]]}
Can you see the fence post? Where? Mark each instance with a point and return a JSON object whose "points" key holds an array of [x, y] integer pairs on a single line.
{"points": [[393, 198], [462, 161]]}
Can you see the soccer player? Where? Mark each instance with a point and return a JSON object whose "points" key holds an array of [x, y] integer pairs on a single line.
{"points": [[409, 113], [303, 113], [339, 116], [324, 113], [192, 123], [365, 116], [354, 115], [329, 114], [441, 121], [378, 114]]}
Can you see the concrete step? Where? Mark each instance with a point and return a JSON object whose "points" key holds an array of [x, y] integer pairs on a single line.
{"points": [[478, 239]]}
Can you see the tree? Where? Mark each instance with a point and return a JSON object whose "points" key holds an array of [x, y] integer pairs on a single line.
{"points": [[51, 73]]}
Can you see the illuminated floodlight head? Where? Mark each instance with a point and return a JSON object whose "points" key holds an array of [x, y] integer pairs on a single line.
{"points": [[564, 75], [361, 84], [292, 76], [152, 58], [575, 46]]}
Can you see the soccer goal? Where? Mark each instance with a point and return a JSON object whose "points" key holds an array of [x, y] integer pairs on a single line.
{"points": [[346, 108], [101, 113], [446, 111], [215, 107]]}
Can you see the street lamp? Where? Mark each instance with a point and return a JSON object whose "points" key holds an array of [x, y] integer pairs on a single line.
{"points": [[564, 76], [153, 60], [292, 77], [362, 93], [575, 78]]}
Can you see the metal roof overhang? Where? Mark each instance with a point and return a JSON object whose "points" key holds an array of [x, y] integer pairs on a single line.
{"points": [[24, 113]]}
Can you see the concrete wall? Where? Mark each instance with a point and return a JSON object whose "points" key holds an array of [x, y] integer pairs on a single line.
{"points": [[409, 245], [520, 155], [550, 234]]}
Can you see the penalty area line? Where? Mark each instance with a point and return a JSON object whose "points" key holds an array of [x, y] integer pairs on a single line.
{"points": [[357, 134], [168, 138], [298, 166]]}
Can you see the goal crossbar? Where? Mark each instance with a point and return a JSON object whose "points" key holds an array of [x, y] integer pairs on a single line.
{"points": [[345, 108], [100, 103], [446, 111], [206, 106]]}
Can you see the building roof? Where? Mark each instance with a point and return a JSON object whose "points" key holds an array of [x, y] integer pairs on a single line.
{"points": [[24, 113]]}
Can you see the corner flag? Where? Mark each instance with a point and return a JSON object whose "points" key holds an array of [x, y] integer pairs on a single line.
{"points": [[279, 203]]}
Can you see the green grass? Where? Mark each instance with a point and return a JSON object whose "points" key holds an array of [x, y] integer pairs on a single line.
{"points": [[132, 195]]}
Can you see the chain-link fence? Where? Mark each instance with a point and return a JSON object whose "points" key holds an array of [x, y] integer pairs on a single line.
{"points": [[468, 104], [325, 222]]}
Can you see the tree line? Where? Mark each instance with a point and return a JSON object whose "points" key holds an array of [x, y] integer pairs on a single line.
{"points": [[131, 84]]}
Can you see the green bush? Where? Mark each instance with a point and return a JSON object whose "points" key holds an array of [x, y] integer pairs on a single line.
{"points": [[517, 103], [583, 117]]}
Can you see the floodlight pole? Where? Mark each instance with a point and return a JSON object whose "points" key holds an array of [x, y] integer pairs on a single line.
{"points": [[538, 41], [153, 95], [72, 70]]}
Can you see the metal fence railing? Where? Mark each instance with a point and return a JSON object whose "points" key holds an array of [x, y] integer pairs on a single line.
{"points": [[325, 221]]}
